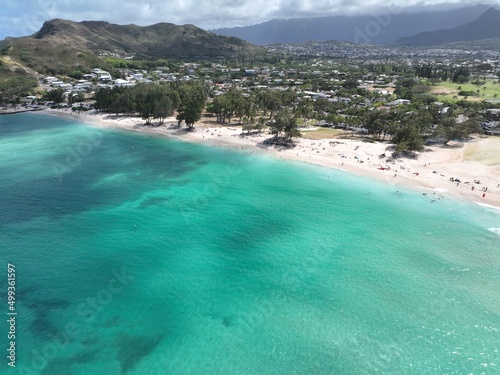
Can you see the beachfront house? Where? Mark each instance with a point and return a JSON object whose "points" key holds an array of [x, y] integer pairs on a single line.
{"points": [[138, 76], [84, 82], [79, 88], [120, 82], [101, 75], [104, 76], [49, 79], [66, 86], [398, 102], [56, 83], [89, 76]]}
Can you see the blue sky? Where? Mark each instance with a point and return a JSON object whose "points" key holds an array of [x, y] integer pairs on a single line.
{"points": [[25, 17]]}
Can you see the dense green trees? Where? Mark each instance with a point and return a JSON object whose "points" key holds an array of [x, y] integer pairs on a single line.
{"points": [[272, 100], [117, 100], [461, 75], [450, 129], [411, 127], [155, 101], [350, 84], [413, 130], [75, 98], [245, 106], [55, 95], [233, 103], [408, 138], [193, 97], [13, 89], [404, 88], [408, 129], [444, 73], [277, 126], [378, 123], [305, 109], [284, 127]]}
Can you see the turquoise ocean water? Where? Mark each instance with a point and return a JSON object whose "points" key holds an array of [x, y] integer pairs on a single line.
{"points": [[139, 255]]}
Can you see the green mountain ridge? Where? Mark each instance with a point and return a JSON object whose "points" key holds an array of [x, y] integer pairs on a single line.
{"points": [[62, 45]]}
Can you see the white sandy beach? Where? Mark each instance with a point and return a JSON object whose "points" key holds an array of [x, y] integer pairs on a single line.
{"points": [[476, 164]]}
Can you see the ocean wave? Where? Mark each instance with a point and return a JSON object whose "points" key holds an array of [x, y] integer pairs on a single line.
{"points": [[495, 230], [495, 208]]}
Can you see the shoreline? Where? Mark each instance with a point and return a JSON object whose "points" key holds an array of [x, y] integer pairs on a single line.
{"points": [[430, 173], [13, 111]]}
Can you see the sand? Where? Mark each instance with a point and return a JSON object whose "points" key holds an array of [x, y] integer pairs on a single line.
{"points": [[435, 172]]}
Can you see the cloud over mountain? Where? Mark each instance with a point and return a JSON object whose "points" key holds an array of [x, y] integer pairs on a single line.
{"points": [[24, 17]]}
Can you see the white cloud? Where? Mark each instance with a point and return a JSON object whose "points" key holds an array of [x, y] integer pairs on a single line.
{"points": [[23, 17]]}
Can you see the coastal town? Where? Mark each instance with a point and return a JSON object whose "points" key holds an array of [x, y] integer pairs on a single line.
{"points": [[347, 103], [314, 66]]}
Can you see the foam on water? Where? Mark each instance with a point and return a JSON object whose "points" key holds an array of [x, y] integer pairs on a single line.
{"points": [[495, 230]]}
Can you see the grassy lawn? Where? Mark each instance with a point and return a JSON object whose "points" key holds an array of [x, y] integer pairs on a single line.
{"points": [[448, 91], [322, 133], [485, 152]]}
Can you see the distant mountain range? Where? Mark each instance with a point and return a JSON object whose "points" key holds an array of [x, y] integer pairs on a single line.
{"points": [[487, 26], [380, 28], [61, 45]]}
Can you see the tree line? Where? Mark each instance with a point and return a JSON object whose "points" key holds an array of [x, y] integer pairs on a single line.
{"points": [[281, 110], [411, 128], [156, 101], [459, 74], [284, 111]]}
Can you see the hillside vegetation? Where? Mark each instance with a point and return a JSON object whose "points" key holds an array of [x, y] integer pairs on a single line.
{"points": [[62, 46]]}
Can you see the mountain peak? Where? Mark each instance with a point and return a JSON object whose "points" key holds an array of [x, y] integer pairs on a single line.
{"points": [[492, 12], [161, 39], [65, 46], [378, 28], [50, 27], [487, 26]]}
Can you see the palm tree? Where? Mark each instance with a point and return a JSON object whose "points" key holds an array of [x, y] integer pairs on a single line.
{"points": [[285, 126]]}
